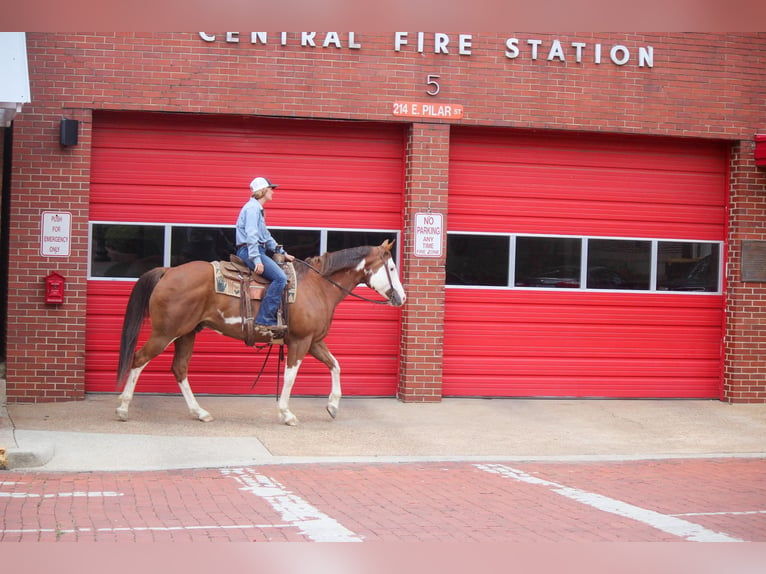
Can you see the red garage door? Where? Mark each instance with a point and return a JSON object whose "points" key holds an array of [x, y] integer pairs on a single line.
{"points": [[162, 171], [584, 330]]}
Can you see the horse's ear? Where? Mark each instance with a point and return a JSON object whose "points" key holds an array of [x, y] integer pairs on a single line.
{"points": [[387, 245]]}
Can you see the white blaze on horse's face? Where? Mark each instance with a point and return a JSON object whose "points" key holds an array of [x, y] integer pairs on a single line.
{"points": [[388, 283]]}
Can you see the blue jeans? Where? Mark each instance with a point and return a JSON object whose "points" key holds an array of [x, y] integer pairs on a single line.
{"points": [[267, 313]]}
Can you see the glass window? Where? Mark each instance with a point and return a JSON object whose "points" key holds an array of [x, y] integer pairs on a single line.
{"points": [[302, 243], [126, 250], [549, 262], [687, 266], [337, 240], [477, 260], [619, 264], [201, 244]]}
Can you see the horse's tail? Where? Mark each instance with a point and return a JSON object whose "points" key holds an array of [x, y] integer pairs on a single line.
{"points": [[136, 312]]}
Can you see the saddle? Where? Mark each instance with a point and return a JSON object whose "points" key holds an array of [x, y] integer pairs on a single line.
{"points": [[234, 278]]}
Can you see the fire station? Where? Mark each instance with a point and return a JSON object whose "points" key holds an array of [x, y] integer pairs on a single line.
{"points": [[574, 215]]}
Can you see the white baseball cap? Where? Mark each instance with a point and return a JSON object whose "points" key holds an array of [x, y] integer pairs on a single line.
{"points": [[260, 183]]}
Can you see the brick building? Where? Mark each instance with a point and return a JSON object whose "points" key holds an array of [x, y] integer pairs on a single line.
{"points": [[577, 215]]}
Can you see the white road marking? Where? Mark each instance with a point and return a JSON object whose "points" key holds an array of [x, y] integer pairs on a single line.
{"points": [[295, 511], [666, 523], [730, 513], [59, 494], [145, 528]]}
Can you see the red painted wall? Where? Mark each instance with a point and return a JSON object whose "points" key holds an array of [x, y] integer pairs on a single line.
{"points": [[700, 85]]}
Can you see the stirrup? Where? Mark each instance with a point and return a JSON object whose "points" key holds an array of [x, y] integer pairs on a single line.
{"points": [[276, 330]]}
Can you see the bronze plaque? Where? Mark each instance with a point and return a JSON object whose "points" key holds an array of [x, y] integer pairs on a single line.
{"points": [[754, 261]]}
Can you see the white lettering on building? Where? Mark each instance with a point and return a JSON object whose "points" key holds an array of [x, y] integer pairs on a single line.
{"points": [[534, 49]]}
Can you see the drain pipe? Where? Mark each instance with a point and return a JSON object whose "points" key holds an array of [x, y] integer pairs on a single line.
{"points": [[5, 220]]}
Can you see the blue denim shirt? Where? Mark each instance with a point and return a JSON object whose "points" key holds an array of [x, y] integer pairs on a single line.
{"points": [[251, 229]]}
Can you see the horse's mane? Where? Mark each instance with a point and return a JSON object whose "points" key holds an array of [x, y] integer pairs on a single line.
{"points": [[332, 262]]}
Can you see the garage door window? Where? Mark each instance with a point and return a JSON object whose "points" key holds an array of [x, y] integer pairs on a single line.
{"points": [[687, 266], [124, 251], [541, 262], [477, 260], [548, 262], [619, 264]]}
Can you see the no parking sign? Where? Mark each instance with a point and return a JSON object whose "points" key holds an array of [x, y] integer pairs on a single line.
{"points": [[428, 234]]}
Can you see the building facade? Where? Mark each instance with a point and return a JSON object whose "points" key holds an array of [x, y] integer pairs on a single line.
{"points": [[576, 215]]}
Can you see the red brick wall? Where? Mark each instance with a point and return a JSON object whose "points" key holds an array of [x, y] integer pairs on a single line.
{"points": [[745, 345], [423, 321], [701, 85], [46, 343]]}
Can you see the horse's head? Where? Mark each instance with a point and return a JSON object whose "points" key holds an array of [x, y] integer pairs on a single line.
{"points": [[380, 273]]}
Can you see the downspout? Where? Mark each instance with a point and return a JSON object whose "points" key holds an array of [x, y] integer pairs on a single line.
{"points": [[5, 220]]}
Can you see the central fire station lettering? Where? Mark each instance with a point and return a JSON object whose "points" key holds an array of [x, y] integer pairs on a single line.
{"points": [[459, 44], [618, 54]]}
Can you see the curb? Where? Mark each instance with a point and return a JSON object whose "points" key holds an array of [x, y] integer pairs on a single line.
{"points": [[12, 456], [21, 458]]}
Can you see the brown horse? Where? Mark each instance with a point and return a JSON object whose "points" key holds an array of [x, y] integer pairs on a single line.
{"points": [[181, 301]]}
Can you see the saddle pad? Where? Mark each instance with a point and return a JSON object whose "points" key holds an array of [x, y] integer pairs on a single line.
{"points": [[233, 287]]}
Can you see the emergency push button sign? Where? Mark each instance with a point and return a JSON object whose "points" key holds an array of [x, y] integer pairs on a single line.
{"points": [[428, 234], [55, 233]]}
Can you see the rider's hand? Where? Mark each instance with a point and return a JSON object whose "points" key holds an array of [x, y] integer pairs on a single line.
{"points": [[289, 257], [258, 268]]}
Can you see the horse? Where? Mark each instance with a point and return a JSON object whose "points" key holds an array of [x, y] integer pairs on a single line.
{"points": [[181, 301]]}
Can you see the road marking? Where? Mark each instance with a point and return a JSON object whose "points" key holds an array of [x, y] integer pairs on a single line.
{"points": [[731, 513], [144, 528], [666, 523], [311, 522], [59, 494]]}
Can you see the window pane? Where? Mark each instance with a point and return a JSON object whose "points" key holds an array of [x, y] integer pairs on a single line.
{"points": [[619, 264], [126, 250], [201, 244], [477, 260], [301, 243], [687, 266], [337, 240], [548, 262]]}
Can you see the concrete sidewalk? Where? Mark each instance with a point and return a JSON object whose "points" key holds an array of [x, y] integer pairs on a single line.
{"points": [[85, 435]]}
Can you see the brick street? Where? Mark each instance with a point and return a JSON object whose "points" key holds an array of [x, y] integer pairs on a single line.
{"points": [[721, 499]]}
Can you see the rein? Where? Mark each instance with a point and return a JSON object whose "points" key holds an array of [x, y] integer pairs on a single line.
{"points": [[348, 291]]}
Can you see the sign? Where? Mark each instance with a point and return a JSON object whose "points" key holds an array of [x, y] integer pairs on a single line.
{"points": [[55, 233], [754, 261], [428, 234], [428, 110], [561, 51]]}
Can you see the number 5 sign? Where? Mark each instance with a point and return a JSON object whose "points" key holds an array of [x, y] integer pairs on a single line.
{"points": [[428, 234]]}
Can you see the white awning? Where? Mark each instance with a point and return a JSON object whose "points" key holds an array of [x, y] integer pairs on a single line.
{"points": [[14, 75]]}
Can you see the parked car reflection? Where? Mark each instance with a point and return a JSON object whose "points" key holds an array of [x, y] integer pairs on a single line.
{"points": [[568, 277]]}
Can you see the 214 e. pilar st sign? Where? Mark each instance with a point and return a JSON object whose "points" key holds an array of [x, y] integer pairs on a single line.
{"points": [[556, 50]]}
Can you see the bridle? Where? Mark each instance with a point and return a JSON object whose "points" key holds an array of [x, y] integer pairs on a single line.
{"points": [[389, 293]]}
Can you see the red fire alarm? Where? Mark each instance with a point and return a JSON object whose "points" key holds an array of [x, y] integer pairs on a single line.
{"points": [[54, 288], [760, 150]]}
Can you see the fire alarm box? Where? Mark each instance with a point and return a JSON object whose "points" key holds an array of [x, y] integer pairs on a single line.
{"points": [[54, 288], [760, 150]]}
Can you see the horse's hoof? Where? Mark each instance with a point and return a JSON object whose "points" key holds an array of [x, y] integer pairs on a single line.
{"points": [[332, 410], [206, 417], [289, 419], [122, 414]]}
